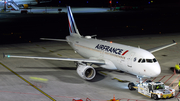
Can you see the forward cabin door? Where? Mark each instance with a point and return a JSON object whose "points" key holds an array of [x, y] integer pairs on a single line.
{"points": [[130, 59]]}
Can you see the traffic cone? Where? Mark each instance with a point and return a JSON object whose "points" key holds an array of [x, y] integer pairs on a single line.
{"points": [[114, 98]]}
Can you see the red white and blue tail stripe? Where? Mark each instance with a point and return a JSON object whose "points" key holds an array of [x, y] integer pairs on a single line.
{"points": [[72, 25]]}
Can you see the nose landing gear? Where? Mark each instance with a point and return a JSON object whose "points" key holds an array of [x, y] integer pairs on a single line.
{"points": [[132, 86]]}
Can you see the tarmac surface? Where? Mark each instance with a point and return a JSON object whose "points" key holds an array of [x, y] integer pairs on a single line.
{"points": [[58, 80]]}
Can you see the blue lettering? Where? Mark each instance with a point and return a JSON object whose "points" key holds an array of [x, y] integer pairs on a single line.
{"points": [[120, 51], [110, 50], [102, 47], [106, 49], [97, 46], [117, 51], [114, 50]]}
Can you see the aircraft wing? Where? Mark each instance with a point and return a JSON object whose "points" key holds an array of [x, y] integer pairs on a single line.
{"points": [[53, 39], [63, 59], [161, 47]]}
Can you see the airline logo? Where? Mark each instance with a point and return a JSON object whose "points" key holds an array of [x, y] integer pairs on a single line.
{"points": [[111, 49], [71, 21]]}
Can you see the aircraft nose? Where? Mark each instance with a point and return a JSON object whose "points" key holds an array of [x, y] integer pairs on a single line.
{"points": [[156, 70]]}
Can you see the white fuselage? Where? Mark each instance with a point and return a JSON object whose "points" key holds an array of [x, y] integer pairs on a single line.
{"points": [[117, 56]]}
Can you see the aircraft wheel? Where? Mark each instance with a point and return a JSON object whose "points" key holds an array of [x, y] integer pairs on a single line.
{"points": [[131, 85]]}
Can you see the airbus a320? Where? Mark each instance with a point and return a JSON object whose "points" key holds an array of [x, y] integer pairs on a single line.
{"points": [[112, 56]]}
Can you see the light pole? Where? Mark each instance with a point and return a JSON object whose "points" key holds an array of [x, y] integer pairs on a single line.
{"points": [[4, 5]]}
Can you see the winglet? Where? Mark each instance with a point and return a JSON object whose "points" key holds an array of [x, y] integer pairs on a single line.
{"points": [[174, 41], [5, 55]]}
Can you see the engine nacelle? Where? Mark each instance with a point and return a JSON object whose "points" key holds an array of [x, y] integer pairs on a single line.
{"points": [[86, 72]]}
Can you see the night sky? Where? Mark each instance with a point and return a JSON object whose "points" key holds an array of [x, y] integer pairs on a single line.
{"points": [[17, 28], [105, 3]]}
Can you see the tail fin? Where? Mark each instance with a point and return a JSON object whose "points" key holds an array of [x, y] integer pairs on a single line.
{"points": [[72, 25]]}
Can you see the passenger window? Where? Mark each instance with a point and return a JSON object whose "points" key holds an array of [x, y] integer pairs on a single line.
{"points": [[149, 60], [139, 60], [143, 61], [154, 60]]}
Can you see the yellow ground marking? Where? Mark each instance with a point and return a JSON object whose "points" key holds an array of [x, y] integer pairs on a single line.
{"points": [[120, 80], [51, 51], [43, 48], [59, 54], [38, 79], [103, 73], [28, 82]]}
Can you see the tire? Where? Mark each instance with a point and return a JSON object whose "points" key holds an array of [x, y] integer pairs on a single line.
{"points": [[172, 96], [155, 97], [151, 96], [131, 85]]}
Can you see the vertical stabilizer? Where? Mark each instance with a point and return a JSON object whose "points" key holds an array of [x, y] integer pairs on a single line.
{"points": [[72, 25]]}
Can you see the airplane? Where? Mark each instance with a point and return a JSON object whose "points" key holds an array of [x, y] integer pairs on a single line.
{"points": [[105, 54], [17, 4], [31, 2]]}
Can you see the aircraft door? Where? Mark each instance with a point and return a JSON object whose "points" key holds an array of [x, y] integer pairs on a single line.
{"points": [[130, 59]]}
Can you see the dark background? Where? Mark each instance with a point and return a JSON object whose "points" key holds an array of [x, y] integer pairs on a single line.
{"points": [[105, 3], [155, 19]]}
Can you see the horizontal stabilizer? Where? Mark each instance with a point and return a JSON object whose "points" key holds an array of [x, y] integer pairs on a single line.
{"points": [[53, 39]]}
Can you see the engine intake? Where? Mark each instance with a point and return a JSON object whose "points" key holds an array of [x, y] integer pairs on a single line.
{"points": [[86, 72]]}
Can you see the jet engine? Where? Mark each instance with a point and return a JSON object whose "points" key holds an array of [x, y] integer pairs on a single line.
{"points": [[86, 72]]}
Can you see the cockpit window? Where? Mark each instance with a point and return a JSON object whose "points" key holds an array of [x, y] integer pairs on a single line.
{"points": [[143, 61], [154, 60], [139, 60], [149, 60]]}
